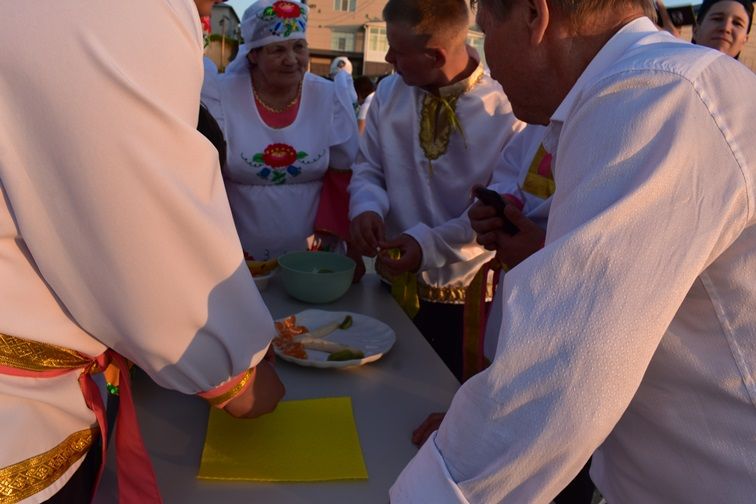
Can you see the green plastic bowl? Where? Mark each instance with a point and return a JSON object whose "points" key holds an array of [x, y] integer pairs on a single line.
{"points": [[316, 277]]}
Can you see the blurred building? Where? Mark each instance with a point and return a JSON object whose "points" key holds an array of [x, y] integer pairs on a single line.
{"points": [[355, 29], [222, 35]]}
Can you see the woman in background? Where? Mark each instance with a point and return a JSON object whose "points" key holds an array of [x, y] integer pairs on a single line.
{"points": [[291, 138], [341, 73], [724, 25]]}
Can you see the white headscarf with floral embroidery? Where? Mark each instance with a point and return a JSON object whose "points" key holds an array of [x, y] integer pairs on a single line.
{"points": [[268, 21]]}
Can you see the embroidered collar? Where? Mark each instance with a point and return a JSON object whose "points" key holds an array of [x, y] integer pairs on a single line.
{"points": [[438, 116], [460, 87]]}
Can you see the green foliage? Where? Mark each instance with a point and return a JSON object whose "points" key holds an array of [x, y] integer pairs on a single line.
{"points": [[216, 37]]}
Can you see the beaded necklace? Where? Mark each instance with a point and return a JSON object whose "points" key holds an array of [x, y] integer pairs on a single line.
{"points": [[277, 110]]}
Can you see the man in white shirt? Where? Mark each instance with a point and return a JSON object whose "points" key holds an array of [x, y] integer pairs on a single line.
{"points": [[631, 333], [116, 240], [435, 130]]}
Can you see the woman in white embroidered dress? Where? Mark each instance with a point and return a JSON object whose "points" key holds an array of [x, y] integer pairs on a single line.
{"points": [[291, 137]]}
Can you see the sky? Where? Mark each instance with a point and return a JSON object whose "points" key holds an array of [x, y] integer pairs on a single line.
{"points": [[240, 5], [673, 3]]}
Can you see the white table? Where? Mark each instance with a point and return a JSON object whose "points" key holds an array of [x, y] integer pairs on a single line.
{"points": [[390, 398]]}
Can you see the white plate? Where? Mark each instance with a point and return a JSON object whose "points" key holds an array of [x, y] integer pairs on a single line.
{"points": [[370, 335]]}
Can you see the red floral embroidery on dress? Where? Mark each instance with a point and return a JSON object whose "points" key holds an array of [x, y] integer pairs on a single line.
{"points": [[278, 155], [280, 161]]}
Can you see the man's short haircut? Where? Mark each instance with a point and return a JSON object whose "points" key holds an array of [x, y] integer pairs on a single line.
{"points": [[574, 10], [445, 18]]}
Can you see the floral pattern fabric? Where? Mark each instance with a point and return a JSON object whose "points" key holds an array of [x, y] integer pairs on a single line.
{"points": [[287, 18], [279, 162]]}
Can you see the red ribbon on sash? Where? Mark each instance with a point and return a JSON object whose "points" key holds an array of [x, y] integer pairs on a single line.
{"points": [[136, 478]]}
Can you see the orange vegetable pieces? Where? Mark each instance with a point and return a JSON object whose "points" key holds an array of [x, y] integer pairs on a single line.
{"points": [[285, 343]]}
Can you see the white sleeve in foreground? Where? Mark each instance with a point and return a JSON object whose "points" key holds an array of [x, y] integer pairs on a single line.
{"points": [[426, 479], [120, 200]]}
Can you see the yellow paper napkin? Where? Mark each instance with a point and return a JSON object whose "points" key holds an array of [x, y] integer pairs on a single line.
{"points": [[309, 440]]}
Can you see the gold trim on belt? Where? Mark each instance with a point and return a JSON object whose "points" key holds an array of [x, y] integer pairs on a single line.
{"points": [[449, 295], [30, 476], [33, 359], [31, 355]]}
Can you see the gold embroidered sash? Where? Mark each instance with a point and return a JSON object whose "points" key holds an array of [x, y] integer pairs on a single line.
{"points": [[30, 355], [446, 295], [25, 478], [33, 359]]}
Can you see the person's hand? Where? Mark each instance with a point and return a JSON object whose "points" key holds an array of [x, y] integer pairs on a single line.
{"points": [[428, 427], [325, 242], [667, 23], [270, 355], [359, 270], [367, 230], [485, 223], [261, 396], [510, 249], [410, 256], [674, 30]]}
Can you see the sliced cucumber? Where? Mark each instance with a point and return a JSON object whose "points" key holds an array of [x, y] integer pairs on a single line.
{"points": [[345, 355]]}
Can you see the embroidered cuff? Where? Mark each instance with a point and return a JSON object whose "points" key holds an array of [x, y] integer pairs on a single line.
{"points": [[223, 394]]}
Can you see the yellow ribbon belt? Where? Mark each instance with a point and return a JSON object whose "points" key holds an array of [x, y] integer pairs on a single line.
{"points": [[475, 318]]}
